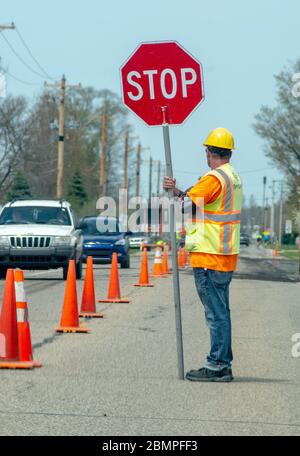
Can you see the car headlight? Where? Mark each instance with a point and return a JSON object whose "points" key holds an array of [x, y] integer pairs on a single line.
{"points": [[121, 242], [61, 240], [4, 241]]}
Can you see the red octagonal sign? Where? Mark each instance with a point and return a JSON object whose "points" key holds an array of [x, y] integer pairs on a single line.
{"points": [[162, 83]]}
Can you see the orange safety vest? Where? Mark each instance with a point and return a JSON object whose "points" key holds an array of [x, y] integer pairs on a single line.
{"points": [[218, 231]]}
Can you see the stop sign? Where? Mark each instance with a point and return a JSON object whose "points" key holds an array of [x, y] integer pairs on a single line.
{"points": [[162, 78]]}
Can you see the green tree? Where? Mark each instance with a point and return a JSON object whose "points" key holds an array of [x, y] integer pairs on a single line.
{"points": [[20, 188], [77, 194], [279, 127]]}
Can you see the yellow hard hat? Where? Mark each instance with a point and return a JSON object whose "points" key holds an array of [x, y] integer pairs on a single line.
{"points": [[220, 137]]}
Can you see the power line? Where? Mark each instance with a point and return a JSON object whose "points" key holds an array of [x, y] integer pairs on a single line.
{"points": [[32, 56], [20, 80], [20, 58]]}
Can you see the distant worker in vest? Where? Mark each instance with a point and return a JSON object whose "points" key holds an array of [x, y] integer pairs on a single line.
{"points": [[213, 243]]}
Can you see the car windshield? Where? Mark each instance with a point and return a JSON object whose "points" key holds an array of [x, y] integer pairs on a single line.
{"points": [[100, 225], [137, 235], [45, 215]]}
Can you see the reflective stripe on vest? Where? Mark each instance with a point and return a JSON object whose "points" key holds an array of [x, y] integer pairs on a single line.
{"points": [[226, 240], [228, 191], [225, 218]]}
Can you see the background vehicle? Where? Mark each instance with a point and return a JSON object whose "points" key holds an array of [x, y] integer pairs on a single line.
{"points": [[244, 239], [39, 234], [137, 239], [101, 237]]}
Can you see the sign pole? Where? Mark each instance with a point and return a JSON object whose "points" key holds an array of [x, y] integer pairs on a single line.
{"points": [[176, 287]]}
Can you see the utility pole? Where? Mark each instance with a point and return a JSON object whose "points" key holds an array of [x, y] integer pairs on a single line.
{"points": [[124, 185], [139, 163], [61, 140], [267, 214], [61, 134], [102, 178], [150, 179], [272, 227], [264, 203], [138, 169], [280, 214], [7, 27], [158, 176]]}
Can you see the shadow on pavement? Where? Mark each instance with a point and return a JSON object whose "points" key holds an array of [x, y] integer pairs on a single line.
{"points": [[260, 380], [267, 269]]}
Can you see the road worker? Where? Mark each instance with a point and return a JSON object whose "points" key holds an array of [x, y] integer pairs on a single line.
{"points": [[213, 242]]}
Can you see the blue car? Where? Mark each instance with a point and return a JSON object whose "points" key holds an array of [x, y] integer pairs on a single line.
{"points": [[102, 237]]}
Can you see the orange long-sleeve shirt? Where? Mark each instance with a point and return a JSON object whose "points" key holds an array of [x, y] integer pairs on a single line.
{"points": [[209, 188]]}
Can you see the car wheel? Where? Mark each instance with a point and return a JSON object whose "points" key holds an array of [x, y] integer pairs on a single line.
{"points": [[125, 264], [79, 269], [65, 272], [3, 271]]}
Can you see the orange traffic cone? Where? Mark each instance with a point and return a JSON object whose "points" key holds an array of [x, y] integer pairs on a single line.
{"points": [[184, 257], [24, 337], [144, 277], [276, 254], [9, 346], [88, 301], [179, 259], [165, 266], [69, 319], [114, 294], [157, 270]]}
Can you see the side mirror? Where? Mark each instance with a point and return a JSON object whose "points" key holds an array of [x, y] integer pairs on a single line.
{"points": [[81, 226]]}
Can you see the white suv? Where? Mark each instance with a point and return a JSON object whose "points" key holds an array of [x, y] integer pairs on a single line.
{"points": [[39, 234]]}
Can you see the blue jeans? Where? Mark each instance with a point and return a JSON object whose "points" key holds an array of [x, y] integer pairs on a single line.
{"points": [[213, 290]]}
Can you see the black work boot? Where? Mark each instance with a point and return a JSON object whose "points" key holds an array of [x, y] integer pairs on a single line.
{"points": [[209, 375]]}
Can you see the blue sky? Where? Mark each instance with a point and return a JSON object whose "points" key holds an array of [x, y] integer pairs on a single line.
{"points": [[241, 45]]}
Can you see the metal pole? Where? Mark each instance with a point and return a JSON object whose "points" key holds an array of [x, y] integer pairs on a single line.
{"points": [[61, 138], [176, 287], [272, 228], [264, 203], [280, 214]]}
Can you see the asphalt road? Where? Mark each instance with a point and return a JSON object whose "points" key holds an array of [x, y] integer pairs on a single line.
{"points": [[121, 379]]}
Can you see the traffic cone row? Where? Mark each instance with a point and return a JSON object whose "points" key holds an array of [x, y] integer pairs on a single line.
{"points": [[15, 337]]}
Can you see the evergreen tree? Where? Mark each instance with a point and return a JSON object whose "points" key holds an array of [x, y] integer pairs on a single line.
{"points": [[20, 188], [77, 193]]}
